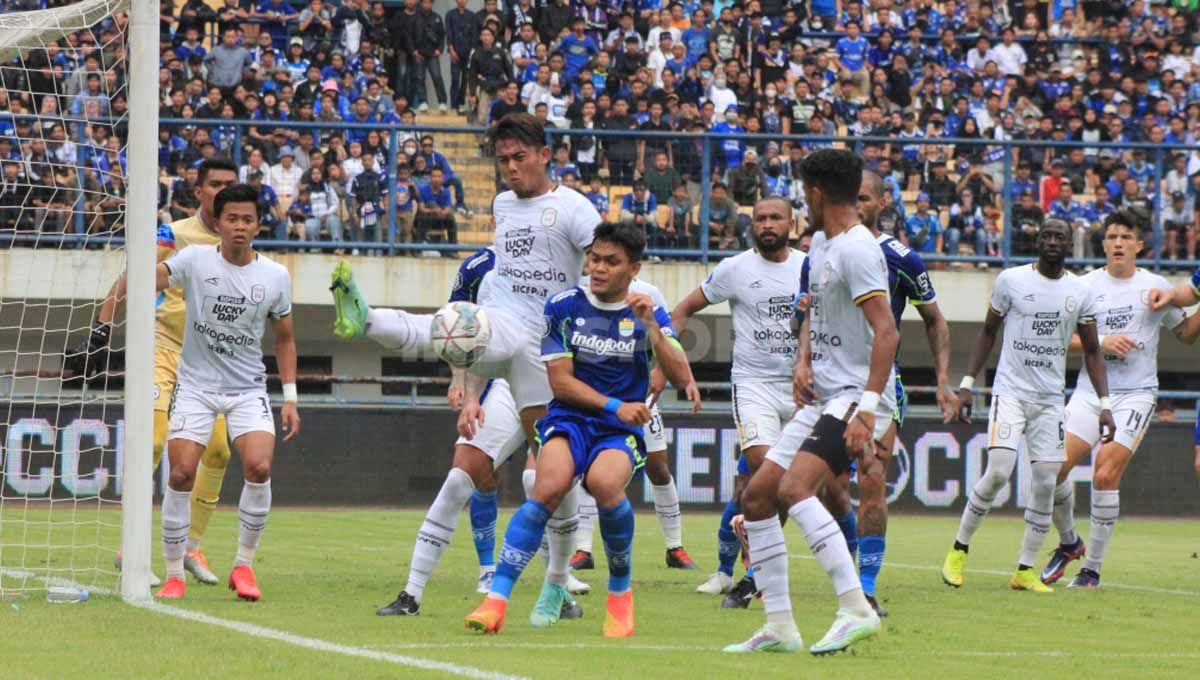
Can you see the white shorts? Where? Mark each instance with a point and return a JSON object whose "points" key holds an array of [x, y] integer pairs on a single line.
{"points": [[653, 435], [1131, 411], [760, 410], [193, 413], [500, 435], [1041, 425], [515, 354], [784, 451]]}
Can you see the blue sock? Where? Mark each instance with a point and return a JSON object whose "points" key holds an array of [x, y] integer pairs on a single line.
{"points": [[521, 542], [728, 545], [870, 561], [849, 525], [483, 526], [616, 530]]}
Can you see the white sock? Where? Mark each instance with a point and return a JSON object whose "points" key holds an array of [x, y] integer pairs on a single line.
{"points": [[398, 330], [560, 538], [828, 545], [1106, 507], [666, 506], [176, 522], [1039, 510], [768, 555], [253, 508], [587, 521], [528, 477], [438, 528], [1064, 512], [1000, 464]]}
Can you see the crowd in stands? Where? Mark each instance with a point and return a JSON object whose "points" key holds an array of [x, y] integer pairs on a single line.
{"points": [[906, 72]]}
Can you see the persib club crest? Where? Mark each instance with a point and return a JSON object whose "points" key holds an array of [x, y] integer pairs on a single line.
{"points": [[626, 328]]}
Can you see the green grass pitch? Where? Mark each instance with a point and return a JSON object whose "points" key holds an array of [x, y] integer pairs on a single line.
{"points": [[323, 573]]}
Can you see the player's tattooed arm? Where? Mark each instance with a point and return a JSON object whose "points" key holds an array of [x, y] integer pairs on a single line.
{"points": [[471, 417], [938, 333], [285, 357], [980, 351], [571, 390], [1099, 376]]}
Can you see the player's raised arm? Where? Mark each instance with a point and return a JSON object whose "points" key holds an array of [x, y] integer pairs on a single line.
{"points": [[1184, 294]]}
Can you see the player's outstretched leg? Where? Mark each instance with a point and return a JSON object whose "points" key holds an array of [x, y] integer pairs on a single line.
{"points": [[394, 329], [1000, 464], [349, 304], [482, 511]]}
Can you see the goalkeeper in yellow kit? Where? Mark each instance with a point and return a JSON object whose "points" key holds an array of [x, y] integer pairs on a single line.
{"points": [[214, 176]]}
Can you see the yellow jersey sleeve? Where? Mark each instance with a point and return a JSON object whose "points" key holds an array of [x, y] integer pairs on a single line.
{"points": [[171, 313]]}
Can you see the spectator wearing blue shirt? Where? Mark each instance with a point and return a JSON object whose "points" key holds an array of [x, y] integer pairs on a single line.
{"points": [[578, 48], [732, 148], [640, 209], [436, 159], [360, 116], [1023, 182], [824, 12], [1067, 209], [922, 229], [851, 52], [276, 15], [407, 200], [598, 196], [435, 211], [695, 39]]}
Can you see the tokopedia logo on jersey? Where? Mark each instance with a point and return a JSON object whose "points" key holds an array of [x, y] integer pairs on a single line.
{"points": [[602, 346]]}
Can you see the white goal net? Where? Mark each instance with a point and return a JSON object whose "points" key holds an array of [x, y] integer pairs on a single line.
{"points": [[65, 162]]}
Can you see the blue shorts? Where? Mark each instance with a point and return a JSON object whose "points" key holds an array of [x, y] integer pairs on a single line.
{"points": [[1198, 423], [587, 437], [743, 465]]}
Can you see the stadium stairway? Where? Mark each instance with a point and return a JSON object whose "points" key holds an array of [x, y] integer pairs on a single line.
{"points": [[478, 175]]}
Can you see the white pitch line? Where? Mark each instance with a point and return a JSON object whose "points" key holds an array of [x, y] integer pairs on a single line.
{"points": [[998, 572], [286, 637]]}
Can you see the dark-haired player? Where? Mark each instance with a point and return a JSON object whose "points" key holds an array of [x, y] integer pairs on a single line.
{"points": [[597, 344], [214, 176], [844, 384], [542, 231], [231, 292], [1040, 306], [1128, 329]]}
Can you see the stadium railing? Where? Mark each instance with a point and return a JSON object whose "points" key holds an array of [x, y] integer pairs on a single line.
{"points": [[1158, 157]]}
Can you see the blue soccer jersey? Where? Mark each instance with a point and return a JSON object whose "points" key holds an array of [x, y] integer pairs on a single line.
{"points": [[908, 280], [1196, 281], [470, 275], [611, 353]]}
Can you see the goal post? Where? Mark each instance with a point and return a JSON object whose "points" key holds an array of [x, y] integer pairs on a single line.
{"points": [[142, 221], [79, 195]]}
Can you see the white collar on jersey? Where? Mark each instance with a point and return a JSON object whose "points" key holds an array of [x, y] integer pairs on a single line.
{"points": [[600, 304]]}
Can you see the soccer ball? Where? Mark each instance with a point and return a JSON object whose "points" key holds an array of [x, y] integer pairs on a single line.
{"points": [[460, 333]]}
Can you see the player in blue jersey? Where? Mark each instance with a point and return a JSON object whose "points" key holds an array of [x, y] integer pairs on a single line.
{"points": [[908, 283], [597, 345], [472, 478]]}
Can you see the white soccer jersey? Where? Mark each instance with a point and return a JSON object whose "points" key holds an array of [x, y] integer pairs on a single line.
{"points": [[227, 310], [1122, 308], [760, 294], [1040, 315], [844, 272], [539, 250]]}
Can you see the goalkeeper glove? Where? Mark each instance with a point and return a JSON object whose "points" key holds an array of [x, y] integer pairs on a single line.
{"points": [[91, 356]]}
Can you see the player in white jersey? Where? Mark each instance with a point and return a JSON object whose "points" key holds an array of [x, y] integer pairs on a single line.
{"points": [[759, 286], [542, 231], [1128, 330], [844, 384], [662, 484], [1040, 306], [231, 291]]}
